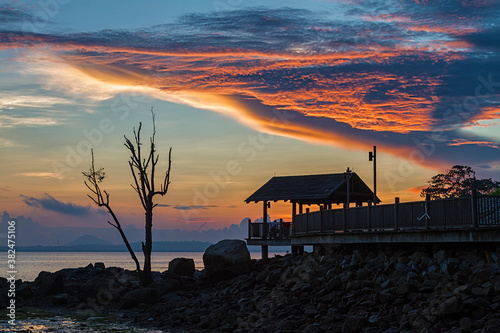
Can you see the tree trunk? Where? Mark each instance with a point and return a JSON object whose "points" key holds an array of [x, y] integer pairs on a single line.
{"points": [[147, 278], [118, 226]]}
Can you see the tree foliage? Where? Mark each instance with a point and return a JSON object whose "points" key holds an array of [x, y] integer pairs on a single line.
{"points": [[459, 181]]}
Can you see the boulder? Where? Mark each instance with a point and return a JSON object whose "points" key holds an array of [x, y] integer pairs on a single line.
{"points": [[102, 288], [139, 296], [72, 288], [59, 300], [481, 276], [181, 266], [451, 306], [50, 283], [99, 265], [24, 291], [354, 324], [227, 259], [3, 281], [165, 286]]}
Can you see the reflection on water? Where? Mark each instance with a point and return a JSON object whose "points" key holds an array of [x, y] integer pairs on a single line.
{"points": [[66, 325]]}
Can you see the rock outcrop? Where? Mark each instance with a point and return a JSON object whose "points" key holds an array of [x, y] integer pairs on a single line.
{"points": [[227, 259], [364, 289], [182, 266]]}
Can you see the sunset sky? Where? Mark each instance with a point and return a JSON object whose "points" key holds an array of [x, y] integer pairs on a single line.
{"points": [[242, 90]]}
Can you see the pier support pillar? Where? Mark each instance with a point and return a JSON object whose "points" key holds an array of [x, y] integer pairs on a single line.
{"points": [[265, 252], [297, 250], [318, 249]]}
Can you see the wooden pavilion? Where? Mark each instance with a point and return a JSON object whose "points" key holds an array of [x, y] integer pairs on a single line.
{"points": [[321, 190]]}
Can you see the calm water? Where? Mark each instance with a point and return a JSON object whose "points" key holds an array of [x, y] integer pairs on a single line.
{"points": [[29, 264]]}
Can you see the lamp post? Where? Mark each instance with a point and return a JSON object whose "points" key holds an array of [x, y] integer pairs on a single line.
{"points": [[373, 157], [348, 173]]}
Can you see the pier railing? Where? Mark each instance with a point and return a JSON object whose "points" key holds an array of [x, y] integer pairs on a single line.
{"points": [[467, 212], [272, 230]]}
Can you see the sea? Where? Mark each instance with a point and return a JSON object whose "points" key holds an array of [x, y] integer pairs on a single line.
{"points": [[29, 264]]}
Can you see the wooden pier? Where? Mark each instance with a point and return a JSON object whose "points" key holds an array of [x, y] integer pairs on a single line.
{"points": [[457, 220]]}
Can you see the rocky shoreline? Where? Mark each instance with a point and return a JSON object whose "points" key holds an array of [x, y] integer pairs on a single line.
{"points": [[405, 288]]}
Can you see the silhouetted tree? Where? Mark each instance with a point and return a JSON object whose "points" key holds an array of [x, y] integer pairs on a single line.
{"points": [[459, 181], [143, 168]]}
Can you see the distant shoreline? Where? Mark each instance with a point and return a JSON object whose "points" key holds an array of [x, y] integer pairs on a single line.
{"points": [[165, 246]]}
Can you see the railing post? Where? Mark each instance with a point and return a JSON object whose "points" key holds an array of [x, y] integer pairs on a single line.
{"points": [[281, 229], [321, 219], [249, 228], [307, 220], [396, 213], [344, 217], [427, 199], [474, 209], [368, 215]]}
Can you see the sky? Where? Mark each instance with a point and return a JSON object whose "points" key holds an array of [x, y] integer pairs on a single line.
{"points": [[242, 91]]}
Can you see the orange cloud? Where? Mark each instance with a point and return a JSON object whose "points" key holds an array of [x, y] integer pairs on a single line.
{"points": [[462, 142], [387, 83]]}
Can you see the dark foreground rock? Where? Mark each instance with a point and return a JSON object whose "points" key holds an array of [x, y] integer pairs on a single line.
{"points": [[367, 289], [139, 296], [345, 289], [182, 266], [227, 259]]}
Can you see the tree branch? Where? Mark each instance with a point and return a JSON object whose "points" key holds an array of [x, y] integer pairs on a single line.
{"points": [[94, 178]]}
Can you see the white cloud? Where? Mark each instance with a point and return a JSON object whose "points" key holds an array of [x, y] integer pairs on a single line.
{"points": [[41, 174], [7, 143], [10, 121], [9, 101]]}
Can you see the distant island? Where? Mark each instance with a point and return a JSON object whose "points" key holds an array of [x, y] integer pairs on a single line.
{"points": [[90, 243], [165, 246]]}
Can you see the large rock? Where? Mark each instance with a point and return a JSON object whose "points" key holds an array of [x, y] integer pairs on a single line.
{"points": [[227, 259], [165, 286], [105, 289], [138, 296], [451, 306], [182, 266], [24, 291], [50, 283]]}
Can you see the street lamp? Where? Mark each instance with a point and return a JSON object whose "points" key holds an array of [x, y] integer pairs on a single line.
{"points": [[373, 157], [348, 174]]}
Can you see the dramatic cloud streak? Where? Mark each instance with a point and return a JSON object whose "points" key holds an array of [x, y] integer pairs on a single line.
{"points": [[50, 203], [390, 73]]}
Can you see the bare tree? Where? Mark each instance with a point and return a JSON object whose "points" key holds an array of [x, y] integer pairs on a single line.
{"points": [[101, 199], [143, 168]]}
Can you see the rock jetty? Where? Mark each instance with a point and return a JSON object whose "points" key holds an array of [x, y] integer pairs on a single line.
{"points": [[346, 289]]}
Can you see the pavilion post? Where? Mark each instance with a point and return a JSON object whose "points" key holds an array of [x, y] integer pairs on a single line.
{"points": [[373, 157], [475, 223], [344, 217], [396, 212], [265, 229], [427, 200], [369, 215], [249, 229]]}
